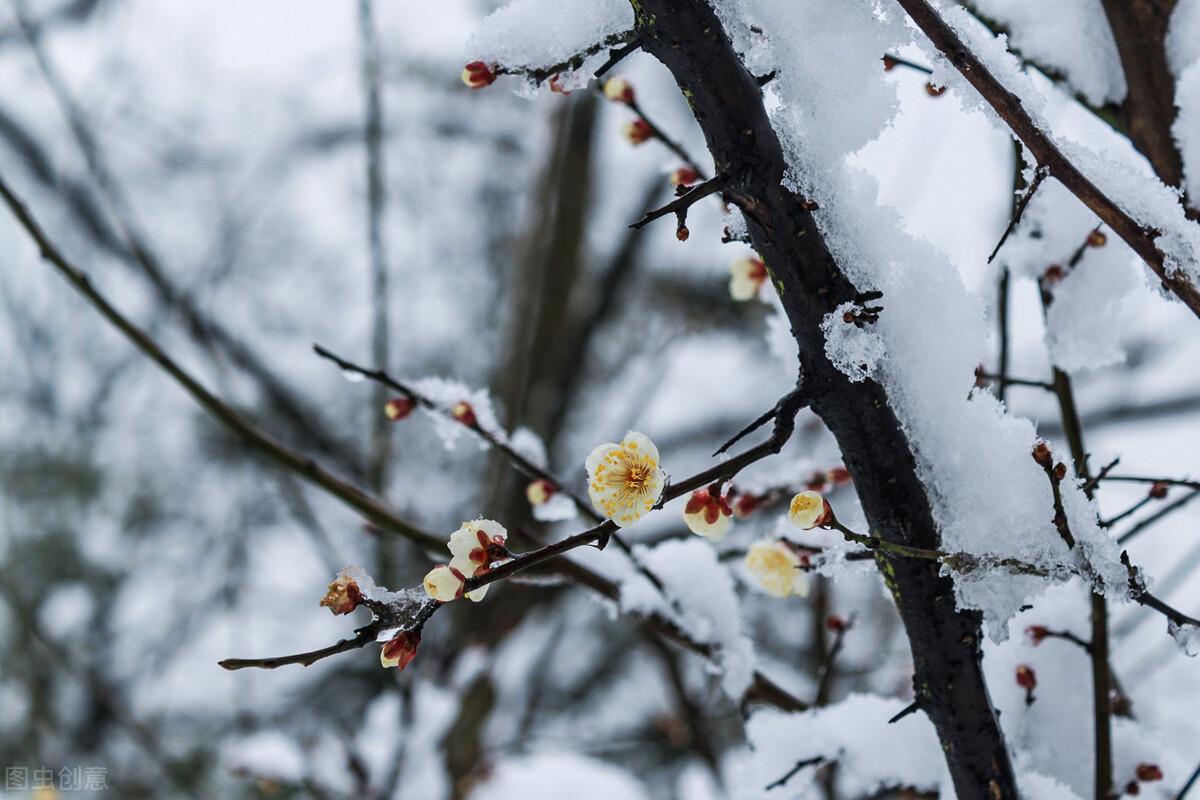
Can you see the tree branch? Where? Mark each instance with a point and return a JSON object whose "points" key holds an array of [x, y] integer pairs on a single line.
{"points": [[1010, 109]]}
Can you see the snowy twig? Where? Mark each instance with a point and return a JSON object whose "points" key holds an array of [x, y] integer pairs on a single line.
{"points": [[1055, 473], [1006, 380], [1010, 108], [363, 637], [370, 507], [1019, 211], [626, 40], [1143, 597]]}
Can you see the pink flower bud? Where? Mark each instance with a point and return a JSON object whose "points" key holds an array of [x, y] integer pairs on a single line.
{"points": [[684, 176], [1026, 677], [1148, 772], [1037, 633]]}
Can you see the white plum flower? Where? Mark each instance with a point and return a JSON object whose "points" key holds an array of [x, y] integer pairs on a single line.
{"points": [[746, 276], [708, 515], [776, 568], [474, 547], [809, 510], [625, 480], [443, 583]]}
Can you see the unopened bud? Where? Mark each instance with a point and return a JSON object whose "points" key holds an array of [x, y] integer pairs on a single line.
{"points": [[1053, 274], [398, 408], [1041, 454], [1097, 239], [463, 412], [638, 131], [1026, 677], [889, 63], [1060, 471], [684, 176], [682, 233], [557, 87], [934, 91], [839, 476], [478, 74], [400, 649], [816, 482], [1037, 633], [1148, 772], [619, 90], [835, 623], [1158, 490], [809, 510], [539, 492]]}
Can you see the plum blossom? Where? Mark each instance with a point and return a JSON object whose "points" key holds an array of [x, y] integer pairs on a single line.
{"points": [[708, 515], [776, 568], [444, 583], [539, 492], [618, 90], [746, 277], [474, 547], [478, 74], [625, 480], [400, 649], [343, 596], [398, 408], [638, 131], [809, 510]]}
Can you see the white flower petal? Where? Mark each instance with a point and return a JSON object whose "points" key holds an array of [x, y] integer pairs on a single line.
{"points": [[775, 567], [441, 584], [640, 444]]}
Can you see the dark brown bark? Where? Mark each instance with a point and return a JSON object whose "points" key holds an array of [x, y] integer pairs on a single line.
{"points": [[1148, 111], [688, 38]]}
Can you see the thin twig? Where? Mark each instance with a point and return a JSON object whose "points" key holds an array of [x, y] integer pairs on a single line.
{"points": [[370, 507], [1169, 508], [1039, 175], [791, 773], [681, 204]]}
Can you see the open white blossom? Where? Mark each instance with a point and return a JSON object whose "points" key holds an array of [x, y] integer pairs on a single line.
{"points": [[776, 568], [625, 480]]}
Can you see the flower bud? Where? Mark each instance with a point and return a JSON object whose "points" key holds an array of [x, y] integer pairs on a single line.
{"points": [[1041, 453], [934, 91], [539, 492], [836, 624], [619, 90], [1158, 490], [809, 510], [889, 63], [1026, 677], [746, 504], [1096, 239], [557, 87], [443, 583], [1037, 633], [1053, 274], [1148, 772], [1133, 789], [343, 596], [400, 649], [1060, 471], [708, 515], [684, 176], [463, 412], [816, 481], [398, 408], [839, 476], [746, 276], [638, 131], [682, 233], [477, 75]]}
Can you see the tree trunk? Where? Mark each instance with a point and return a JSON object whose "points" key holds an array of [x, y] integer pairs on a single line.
{"points": [[726, 99]]}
